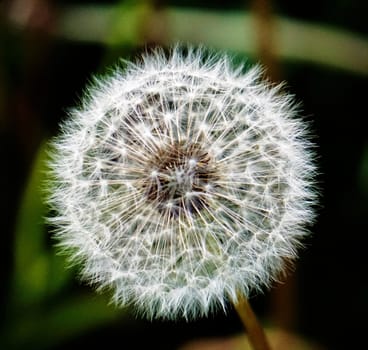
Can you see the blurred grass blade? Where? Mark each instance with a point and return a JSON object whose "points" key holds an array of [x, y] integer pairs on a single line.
{"points": [[38, 270], [230, 30]]}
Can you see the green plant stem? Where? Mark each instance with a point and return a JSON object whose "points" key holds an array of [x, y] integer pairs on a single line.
{"points": [[255, 332]]}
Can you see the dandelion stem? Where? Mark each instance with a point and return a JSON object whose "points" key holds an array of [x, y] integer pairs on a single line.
{"points": [[255, 332]]}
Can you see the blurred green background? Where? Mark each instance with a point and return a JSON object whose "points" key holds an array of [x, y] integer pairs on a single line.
{"points": [[48, 53]]}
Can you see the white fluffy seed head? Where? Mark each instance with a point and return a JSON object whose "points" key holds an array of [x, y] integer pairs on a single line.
{"points": [[182, 182]]}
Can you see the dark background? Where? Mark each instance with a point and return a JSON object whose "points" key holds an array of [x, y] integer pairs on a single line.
{"points": [[43, 74]]}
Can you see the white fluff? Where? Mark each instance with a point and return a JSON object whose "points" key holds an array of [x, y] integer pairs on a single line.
{"points": [[182, 182]]}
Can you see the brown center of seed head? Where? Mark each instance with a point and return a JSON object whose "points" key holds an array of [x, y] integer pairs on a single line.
{"points": [[180, 177]]}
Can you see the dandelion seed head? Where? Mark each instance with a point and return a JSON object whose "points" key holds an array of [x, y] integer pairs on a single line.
{"points": [[180, 182]]}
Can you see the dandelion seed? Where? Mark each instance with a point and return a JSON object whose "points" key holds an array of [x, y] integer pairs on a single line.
{"points": [[181, 182]]}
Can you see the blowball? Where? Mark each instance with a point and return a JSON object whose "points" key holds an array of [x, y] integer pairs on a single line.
{"points": [[182, 182]]}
